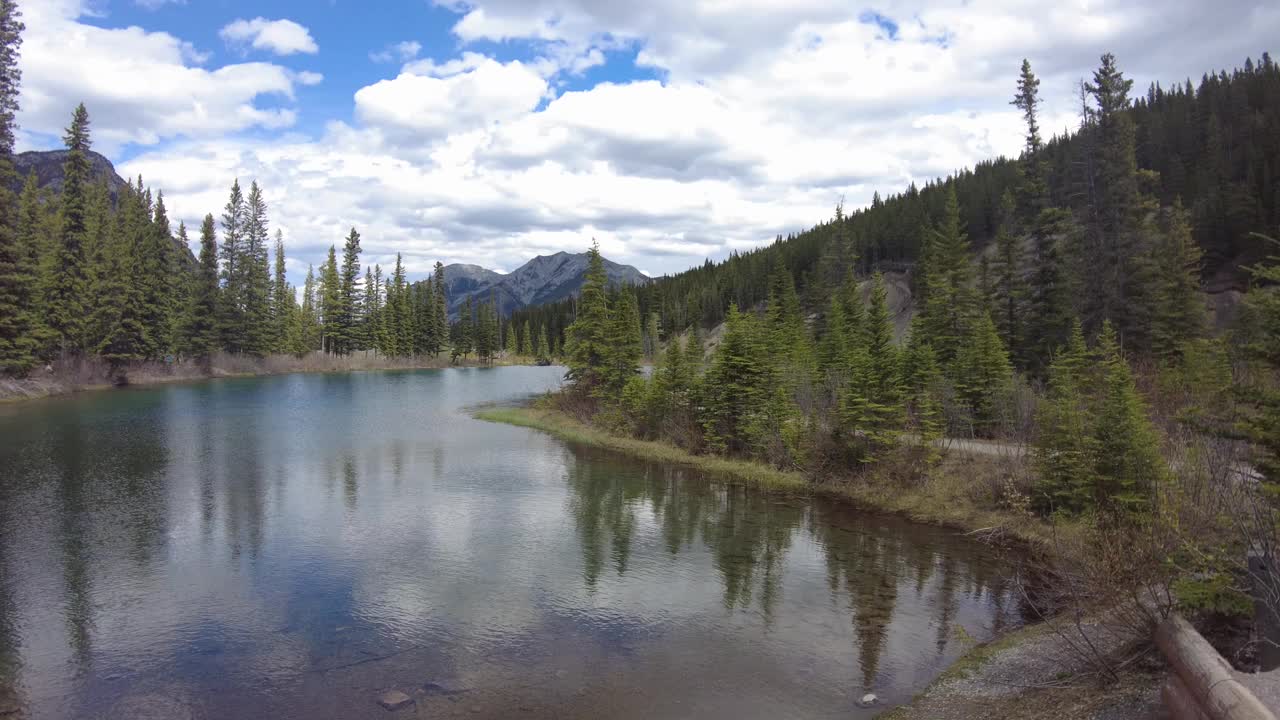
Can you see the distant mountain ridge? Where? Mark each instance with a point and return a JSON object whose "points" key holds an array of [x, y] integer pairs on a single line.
{"points": [[544, 279]]}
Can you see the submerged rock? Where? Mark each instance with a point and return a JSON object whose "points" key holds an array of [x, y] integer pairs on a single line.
{"points": [[394, 700], [868, 700]]}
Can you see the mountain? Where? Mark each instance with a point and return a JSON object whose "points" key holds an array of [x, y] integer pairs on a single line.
{"points": [[544, 279], [47, 166]]}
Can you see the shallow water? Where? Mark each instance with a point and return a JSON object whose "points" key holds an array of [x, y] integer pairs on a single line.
{"points": [[294, 546]]}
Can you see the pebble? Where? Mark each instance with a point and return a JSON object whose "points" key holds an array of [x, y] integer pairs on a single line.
{"points": [[868, 700], [394, 700]]}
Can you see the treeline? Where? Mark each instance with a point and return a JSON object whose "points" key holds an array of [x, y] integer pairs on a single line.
{"points": [[90, 276], [1210, 152], [996, 348]]}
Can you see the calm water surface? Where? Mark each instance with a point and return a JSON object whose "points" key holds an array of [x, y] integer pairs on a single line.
{"points": [[291, 547]]}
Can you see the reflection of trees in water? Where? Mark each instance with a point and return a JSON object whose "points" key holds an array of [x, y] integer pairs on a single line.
{"points": [[69, 456], [747, 532], [746, 529], [866, 562], [875, 560], [602, 514]]}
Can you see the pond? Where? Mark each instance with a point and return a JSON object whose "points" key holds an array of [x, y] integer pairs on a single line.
{"points": [[295, 546]]}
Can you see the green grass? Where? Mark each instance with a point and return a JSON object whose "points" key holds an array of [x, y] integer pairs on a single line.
{"points": [[945, 498], [570, 430]]}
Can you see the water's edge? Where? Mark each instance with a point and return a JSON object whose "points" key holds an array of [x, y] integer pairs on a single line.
{"points": [[746, 472]]}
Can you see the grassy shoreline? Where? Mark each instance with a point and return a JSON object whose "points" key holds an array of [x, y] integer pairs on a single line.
{"points": [[942, 500]]}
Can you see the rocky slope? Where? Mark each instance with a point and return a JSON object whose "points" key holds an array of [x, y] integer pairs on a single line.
{"points": [[544, 279]]}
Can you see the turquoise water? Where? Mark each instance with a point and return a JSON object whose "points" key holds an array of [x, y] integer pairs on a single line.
{"points": [[294, 546]]}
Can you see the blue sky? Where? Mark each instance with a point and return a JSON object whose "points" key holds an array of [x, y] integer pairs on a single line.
{"points": [[490, 131]]}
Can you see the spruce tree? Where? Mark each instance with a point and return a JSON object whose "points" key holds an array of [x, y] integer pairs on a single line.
{"points": [[738, 384], [441, 316], [256, 282], [951, 303], [201, 326], [282, 301], [372, 333], [331, 305], [1009, 284], [623, 344], [542, 350], [509, 346], [585, 339], [526, 340], [19, 271], [1127, 464], [310, 313], [349, 321], [833, 348], [65, 283], [125, 335], [1064, 445], [234, 259], [872, 407], [983, 375], [156, 276], [1180, 312], [1261, 423]]}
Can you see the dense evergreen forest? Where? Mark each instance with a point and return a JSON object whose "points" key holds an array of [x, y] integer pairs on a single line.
{"points": [[1213, 149], [1086, 307]]}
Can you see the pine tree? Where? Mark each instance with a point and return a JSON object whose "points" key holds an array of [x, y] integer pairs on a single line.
{"points": [[372, 334], [1064, 450], [951, 303], [400, 338], [833, 348], [509, 346], [331, 305], [526, 340], [1009, 285], [736, 387], [623, 344], [65, 283], [542, 350], [310, 313], [1261, 424], [872, 408], [983, 375], [155, 275], [1128, 467], [349, 319], [256, 282], [122, 318], [1034, 188], [201, 325], [441, 317], [282, 300], [234, 258], [586, 348], [1180, 312], [19, 321]]}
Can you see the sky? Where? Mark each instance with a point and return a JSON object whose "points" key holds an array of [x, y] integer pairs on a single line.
{"points": [[491, 131]]}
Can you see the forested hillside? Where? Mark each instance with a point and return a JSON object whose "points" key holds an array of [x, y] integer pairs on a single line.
{"points": [[1212, 147]]}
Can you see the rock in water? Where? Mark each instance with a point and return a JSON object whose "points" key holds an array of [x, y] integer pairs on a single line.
{"points": [[868, 700], [394, 700]]}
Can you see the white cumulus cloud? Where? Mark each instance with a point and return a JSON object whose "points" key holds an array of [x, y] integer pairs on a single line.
{"points": [[282, 37]]}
